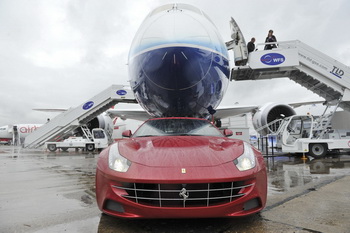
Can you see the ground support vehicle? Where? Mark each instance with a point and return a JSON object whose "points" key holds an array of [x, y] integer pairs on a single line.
{"points": [[300, 134], [96, 139]]}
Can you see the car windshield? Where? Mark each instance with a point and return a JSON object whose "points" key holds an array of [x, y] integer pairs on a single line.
{"points": [[177, 127]]}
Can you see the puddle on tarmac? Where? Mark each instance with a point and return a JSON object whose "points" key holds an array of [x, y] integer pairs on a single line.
{"points": [[285, 173]]}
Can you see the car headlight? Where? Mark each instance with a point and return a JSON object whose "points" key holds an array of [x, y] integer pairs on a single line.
{"points": [[116, 161], [247, 160]]}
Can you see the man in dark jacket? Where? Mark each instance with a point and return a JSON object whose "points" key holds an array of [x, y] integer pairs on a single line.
{"points": [[251, 45]]}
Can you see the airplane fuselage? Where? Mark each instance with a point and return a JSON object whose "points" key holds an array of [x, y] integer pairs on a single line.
{"points": [[10, 132], [178, 63]]}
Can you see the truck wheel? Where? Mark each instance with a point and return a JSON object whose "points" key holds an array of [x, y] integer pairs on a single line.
{"points": [[318, 150], [52, 147], [90, 147]]}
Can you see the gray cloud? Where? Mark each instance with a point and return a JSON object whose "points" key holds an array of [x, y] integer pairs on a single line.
{"points": [[57, 54]]}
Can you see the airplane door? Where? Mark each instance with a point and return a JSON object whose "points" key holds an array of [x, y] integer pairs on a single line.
{"points": [[238, 44]]}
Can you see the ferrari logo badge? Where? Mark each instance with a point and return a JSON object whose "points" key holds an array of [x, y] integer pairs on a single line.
{"points": [[183, 170], [184, 194]]}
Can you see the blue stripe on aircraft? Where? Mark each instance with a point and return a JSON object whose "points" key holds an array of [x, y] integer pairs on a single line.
{"points": [[197, 78]]}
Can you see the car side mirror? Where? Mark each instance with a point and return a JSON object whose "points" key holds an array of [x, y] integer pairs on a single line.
{"points": [[127, 133], [228, 132]]}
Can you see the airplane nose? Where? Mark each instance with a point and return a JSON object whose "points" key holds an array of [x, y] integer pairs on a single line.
{"points": [[178, 63], [174, 56], [177, 68]]}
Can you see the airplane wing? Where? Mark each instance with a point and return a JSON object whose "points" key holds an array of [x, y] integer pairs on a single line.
{"points": [[134, 114], [221, 112], [296, 105], [142, 115], [50, 109], [224, 112]]}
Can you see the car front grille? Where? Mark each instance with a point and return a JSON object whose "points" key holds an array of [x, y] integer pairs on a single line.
{"points": [[184, 195]]}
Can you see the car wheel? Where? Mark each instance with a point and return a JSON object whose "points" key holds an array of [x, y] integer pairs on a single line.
{"points": [[318, 150], [90, 147], [52, 147]]}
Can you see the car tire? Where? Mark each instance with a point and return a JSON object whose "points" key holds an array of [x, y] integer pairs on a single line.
{"points": [[52, 147], [318, 150], [90, 147]]}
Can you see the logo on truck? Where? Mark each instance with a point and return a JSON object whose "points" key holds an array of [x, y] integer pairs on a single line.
{"points": [[272, 59]]}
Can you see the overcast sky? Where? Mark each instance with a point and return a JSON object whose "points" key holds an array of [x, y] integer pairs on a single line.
{"points": [[60, 53]]}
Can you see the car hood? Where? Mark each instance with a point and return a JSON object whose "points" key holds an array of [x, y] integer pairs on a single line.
{"points": [[177, 151]]}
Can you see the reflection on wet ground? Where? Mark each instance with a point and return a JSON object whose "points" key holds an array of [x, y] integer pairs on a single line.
{"points": [[40, 189], [55, 192], [287, 172]]}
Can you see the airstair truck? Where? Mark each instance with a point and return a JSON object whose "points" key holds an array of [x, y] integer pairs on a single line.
{"points": [[94, 139], [302, 134]]}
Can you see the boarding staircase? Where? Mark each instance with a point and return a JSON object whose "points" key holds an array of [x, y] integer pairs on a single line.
{"points": [[68, 121], [303, 64]]}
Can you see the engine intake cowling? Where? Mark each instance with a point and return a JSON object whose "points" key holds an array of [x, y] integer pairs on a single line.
{"points": [[102, 121], [269, 113]]}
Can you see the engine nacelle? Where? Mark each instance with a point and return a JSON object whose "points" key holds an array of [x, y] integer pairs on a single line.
{"points": [[102, 121], [268, 113]]}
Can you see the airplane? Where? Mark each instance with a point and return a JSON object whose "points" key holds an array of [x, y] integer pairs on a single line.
{"points": [[179, 66], [176, 70], [178, 63], [16, 133]]}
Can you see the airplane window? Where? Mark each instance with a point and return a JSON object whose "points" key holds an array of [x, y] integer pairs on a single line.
{"points": [[161, 9], [190, 8], [169, 7]]}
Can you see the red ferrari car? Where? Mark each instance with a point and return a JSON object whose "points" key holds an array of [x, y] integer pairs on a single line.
{"points": [[180, 168]]}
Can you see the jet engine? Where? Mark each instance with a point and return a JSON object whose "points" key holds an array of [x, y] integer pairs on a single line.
{"points": [[269, 113], [102, 121]]}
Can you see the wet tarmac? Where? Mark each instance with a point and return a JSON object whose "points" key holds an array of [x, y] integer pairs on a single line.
{"points": [[42, 191]]}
